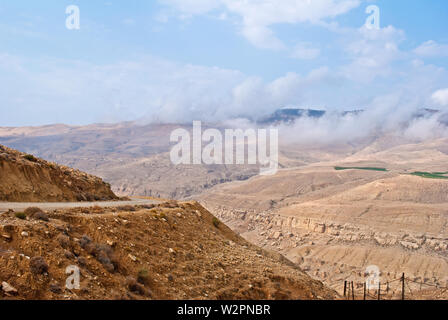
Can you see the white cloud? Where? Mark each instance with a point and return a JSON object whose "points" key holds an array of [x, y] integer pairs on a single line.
{"points": [[305, 51], [262, 37], [441, 97], [155, 89], [257, 16], [432, 49], [159, 90], [192, 7], [372, 53]]}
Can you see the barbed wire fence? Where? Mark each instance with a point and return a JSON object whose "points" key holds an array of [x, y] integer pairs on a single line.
{"points": [[396, 289]]}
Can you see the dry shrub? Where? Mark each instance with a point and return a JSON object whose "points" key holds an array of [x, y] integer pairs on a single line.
{"points": [[103, 253], [170, 204], [128, 208], [143, 276], [20, 215], [30, 157], [56, 288], [41, 216], [38, 265], [84, 241], [64, 241], [69, 255], [216, 222], [97, 210], [85, 210], [32, 210], [36, 213], [136, 287]]}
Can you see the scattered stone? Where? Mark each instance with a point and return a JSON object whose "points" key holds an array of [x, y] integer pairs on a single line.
{"points": [[7, 237], [8, 289], [277, 235]]}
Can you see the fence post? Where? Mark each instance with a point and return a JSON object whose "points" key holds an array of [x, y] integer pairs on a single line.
{"points": [[345, 288], [364, 291], [353, 291], [379, 291], [402, 287]]}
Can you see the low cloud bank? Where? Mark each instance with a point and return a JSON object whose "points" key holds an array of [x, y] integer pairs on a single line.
{"points": [[414, 125]]}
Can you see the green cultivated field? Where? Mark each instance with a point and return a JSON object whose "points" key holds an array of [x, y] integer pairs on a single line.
{"points": [[360, 168], [431, 175]]}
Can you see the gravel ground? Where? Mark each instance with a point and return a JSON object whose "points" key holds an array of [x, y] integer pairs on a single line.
{"points": [[17, 206]]}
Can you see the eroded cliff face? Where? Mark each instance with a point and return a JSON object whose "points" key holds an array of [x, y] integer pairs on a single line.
{"points": [[335, 248], [25, 178]]}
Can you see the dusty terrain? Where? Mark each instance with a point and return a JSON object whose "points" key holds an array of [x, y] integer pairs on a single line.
{"points": [[24, 177], [134, 158], [142, 252], [333, 223], [336, 223]]}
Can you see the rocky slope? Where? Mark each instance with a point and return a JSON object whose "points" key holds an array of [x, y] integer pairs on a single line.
{"points": [[336, 223], [166, 251], [25, 178]]}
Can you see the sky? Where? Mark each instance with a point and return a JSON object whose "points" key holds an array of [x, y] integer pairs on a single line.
{"points": [[215, 60]]}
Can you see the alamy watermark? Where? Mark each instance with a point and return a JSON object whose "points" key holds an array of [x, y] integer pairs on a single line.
{"points": [[373, 21], [73, 20], [373, 277], [228, 149], [73, 280]]}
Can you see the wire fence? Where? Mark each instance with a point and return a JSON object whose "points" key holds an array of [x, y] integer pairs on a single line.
{"points": [[396, 289]]}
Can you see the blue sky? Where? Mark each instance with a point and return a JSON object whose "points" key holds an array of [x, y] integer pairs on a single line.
{"points": [[180, 60]]}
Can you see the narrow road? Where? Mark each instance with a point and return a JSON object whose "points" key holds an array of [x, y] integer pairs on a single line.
{"points": [[20, 206]]}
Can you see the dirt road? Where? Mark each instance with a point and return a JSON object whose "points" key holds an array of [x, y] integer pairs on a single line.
{"points": [[18, 206]]}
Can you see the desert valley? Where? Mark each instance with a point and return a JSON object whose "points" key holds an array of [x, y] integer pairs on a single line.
{"points": [[196, 151], [333, 210], [141, 249]]}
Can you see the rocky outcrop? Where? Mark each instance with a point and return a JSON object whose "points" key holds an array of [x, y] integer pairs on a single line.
{"points": [[334, 251], [277, 227], [25, 178]]}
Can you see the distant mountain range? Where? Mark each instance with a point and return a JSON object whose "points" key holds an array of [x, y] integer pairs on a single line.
{"points": [[289, 115]]}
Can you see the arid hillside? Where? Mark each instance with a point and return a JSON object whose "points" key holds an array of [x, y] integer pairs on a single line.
{"points": [[385, 206], [25, 178], [134, 158], [166, 251]]}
